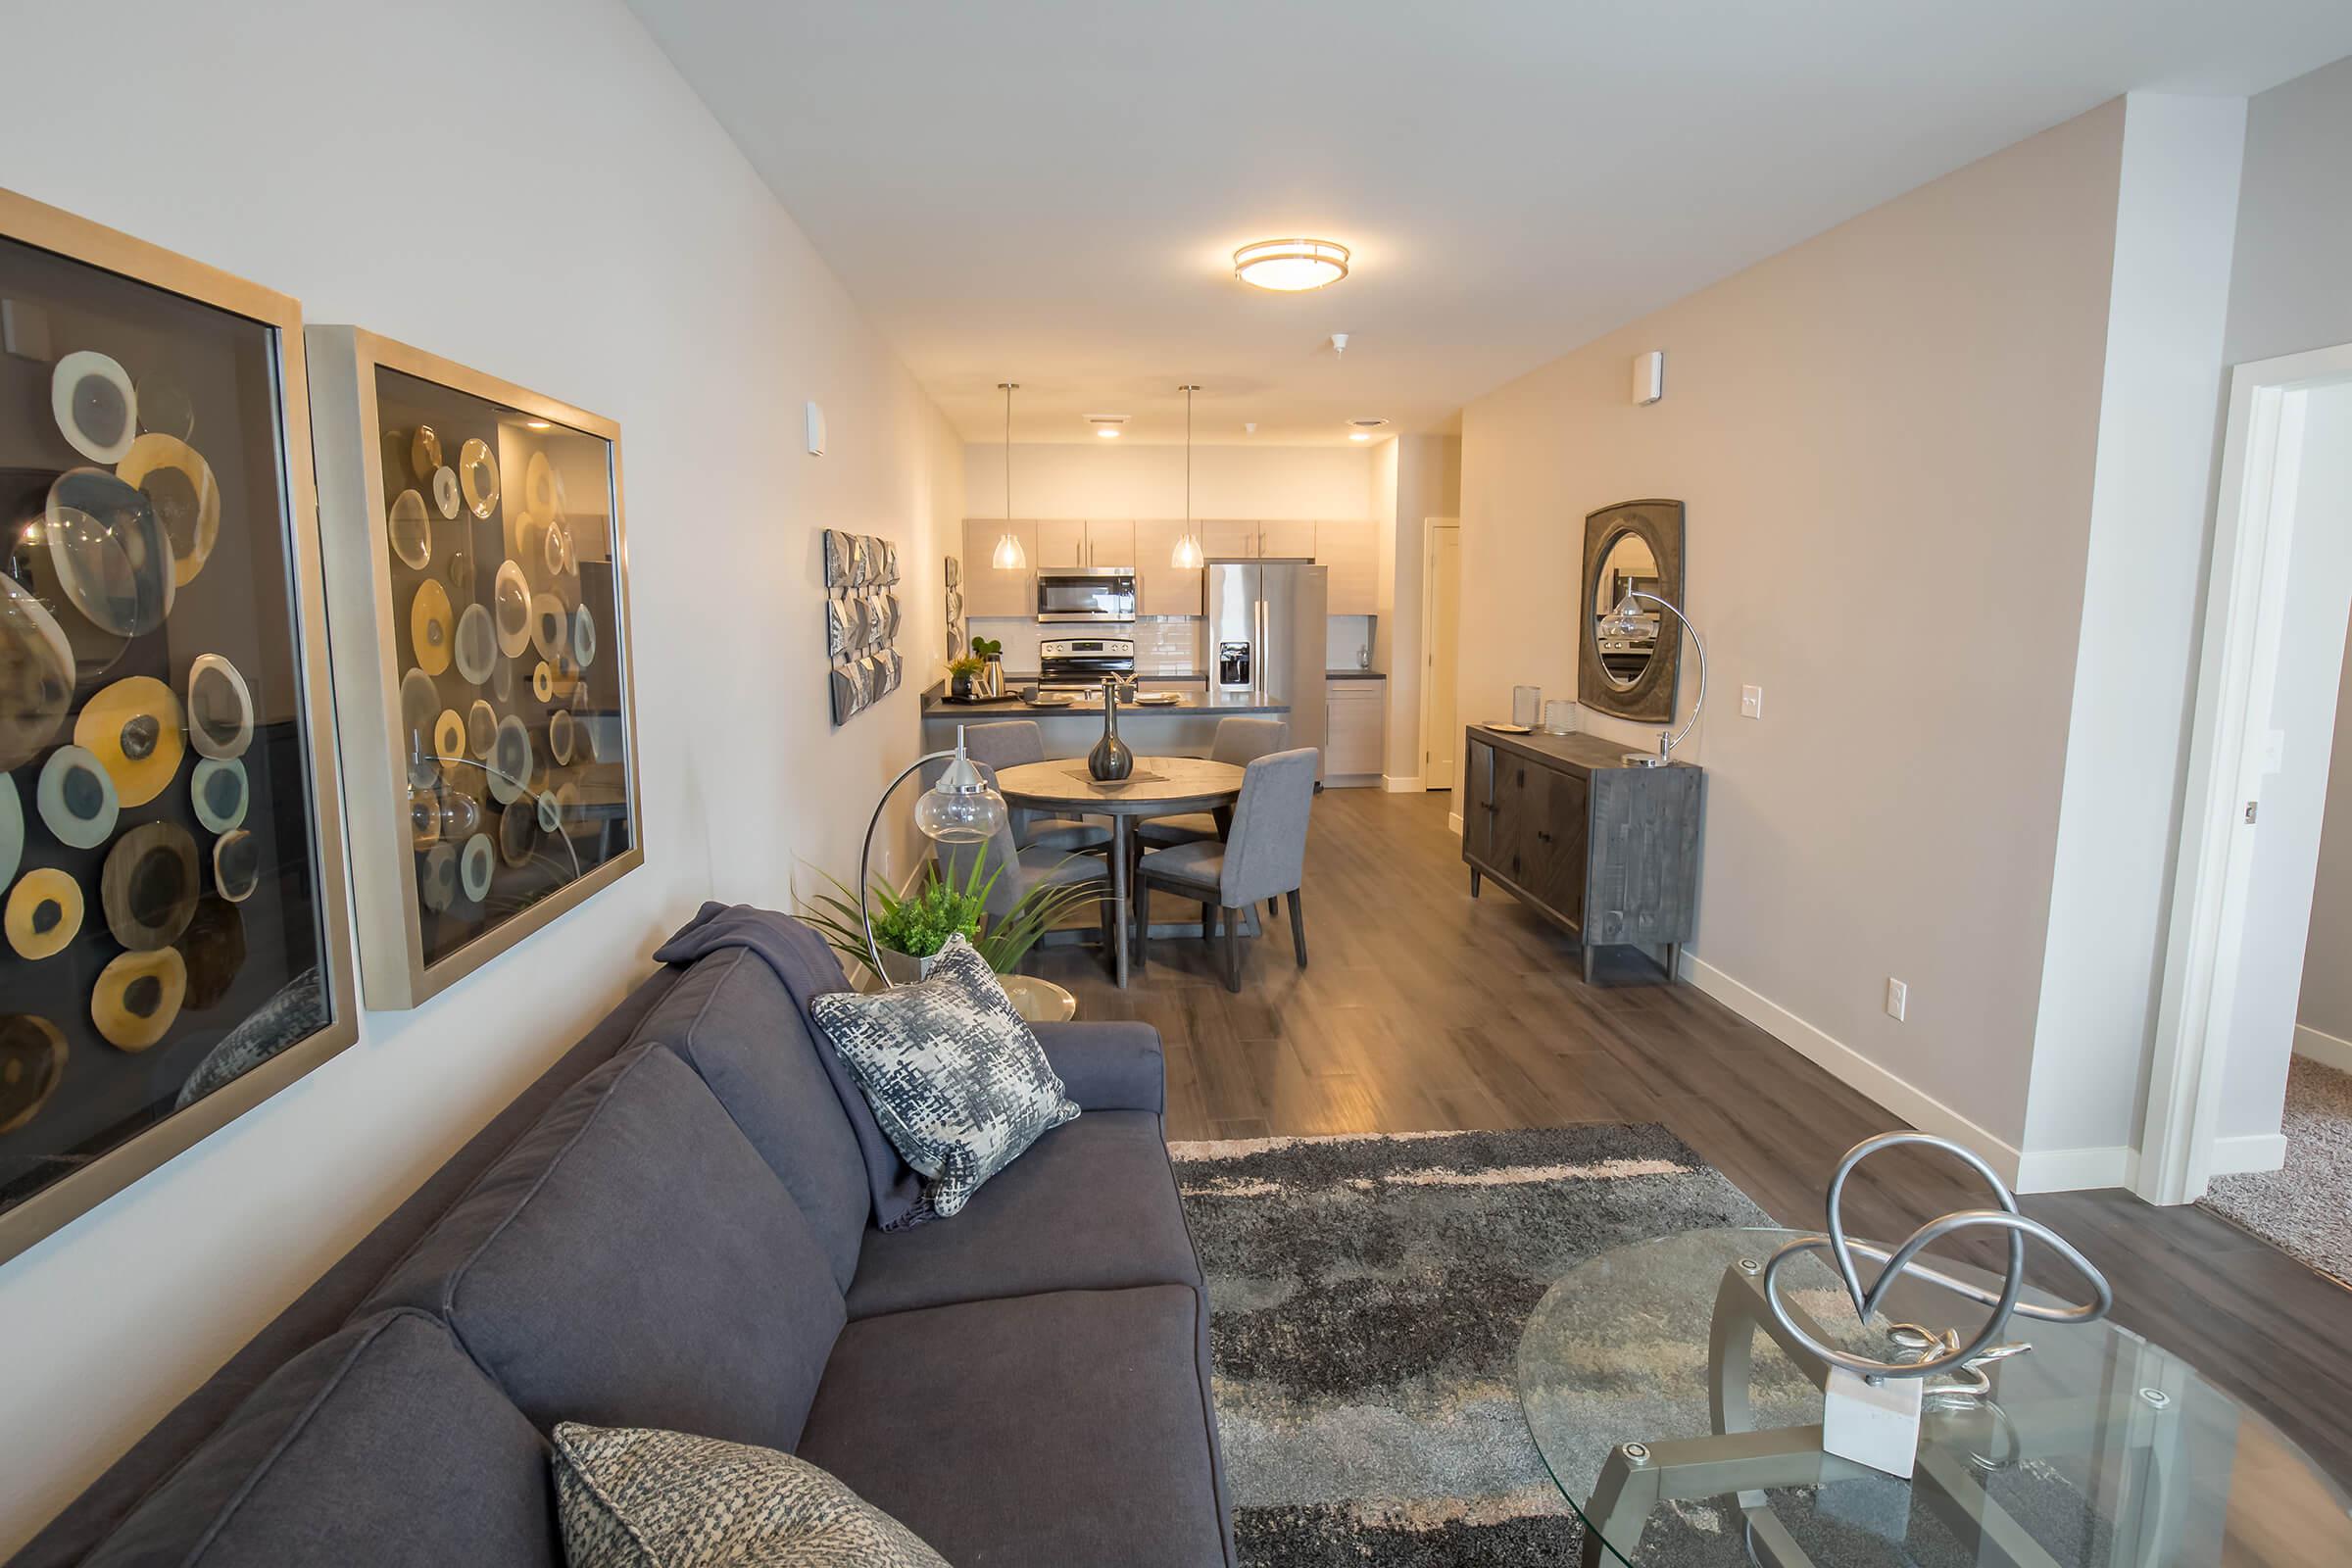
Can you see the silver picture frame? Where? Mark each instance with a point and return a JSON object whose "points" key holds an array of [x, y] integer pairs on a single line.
{"points": [[395, 970], [91, 1179]]}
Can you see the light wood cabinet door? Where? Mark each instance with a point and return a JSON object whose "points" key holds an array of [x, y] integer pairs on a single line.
{"points": [[1060, 542], [1159, 588], [1227, 540], [1280, 539], [1353, 581], [1110, 544], [1354, 727], [988, 590]]}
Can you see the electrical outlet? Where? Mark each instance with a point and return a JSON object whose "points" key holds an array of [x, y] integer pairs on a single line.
{"points": [[1751, 702], [1899, 999]]}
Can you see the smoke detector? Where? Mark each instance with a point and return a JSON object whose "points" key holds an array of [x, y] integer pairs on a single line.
{"points": [[1339, 342]]}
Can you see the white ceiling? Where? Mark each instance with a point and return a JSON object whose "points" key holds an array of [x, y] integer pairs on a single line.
{"points": [[1051, 192]]}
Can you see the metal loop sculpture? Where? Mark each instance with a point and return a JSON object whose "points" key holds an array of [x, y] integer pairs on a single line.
{"points": [[1902, 1261]]}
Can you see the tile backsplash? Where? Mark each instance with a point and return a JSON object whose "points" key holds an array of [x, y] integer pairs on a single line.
{"points": [[1164, 646]]}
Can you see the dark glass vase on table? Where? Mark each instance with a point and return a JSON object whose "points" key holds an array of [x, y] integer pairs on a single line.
{"points": [[1111, 760]]}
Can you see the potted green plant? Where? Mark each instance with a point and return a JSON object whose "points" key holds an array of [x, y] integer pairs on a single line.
{"points": [[991, 684], [961, 673], [911, 929]]}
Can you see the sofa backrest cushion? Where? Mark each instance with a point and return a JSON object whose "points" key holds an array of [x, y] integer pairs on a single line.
{"points": [[737, 1026], [380, 1445], [633, 1261]]}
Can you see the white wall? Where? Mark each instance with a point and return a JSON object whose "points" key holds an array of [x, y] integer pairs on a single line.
{"points": [[2294, 219], [623, 256], [1885, 439], [2118, 822], [2324, 1006], [1120, 478], [2282, 909]]}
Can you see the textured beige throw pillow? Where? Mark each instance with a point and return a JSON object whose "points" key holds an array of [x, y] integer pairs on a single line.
{"points": [[633, 1498]]}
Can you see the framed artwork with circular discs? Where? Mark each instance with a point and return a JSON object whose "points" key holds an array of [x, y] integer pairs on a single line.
{"points": [[478, 596], [172, 928]]}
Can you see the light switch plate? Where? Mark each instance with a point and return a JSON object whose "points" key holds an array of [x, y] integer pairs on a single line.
{"points": [[816, 431], [1751, 702], [1899, 999]]}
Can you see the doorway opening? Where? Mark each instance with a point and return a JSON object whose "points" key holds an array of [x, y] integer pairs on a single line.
{"points": [[1441, 609], [2255, 903]]}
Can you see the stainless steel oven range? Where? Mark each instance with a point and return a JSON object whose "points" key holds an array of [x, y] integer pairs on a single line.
{"points": [[1077, 664]]}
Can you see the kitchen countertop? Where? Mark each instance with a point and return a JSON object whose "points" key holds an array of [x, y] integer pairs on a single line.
{"points": [[936, 706], [1356, 674], [1031, 678]]}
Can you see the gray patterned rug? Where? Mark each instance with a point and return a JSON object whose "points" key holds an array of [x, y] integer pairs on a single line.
{"points": [[1367, 1296]]}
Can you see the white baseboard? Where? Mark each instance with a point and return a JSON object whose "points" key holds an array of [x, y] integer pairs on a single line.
{"points": [[1351, 781], [1400, 786], [2326, 1050], [1454, 823], [1851, 1068], [2076, 1171], [2253, 1152]]}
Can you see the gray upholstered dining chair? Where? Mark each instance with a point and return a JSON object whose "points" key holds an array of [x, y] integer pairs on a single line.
{"points": [[1009, 743], [1262, 854], [1238, 741], [1017, 869]]}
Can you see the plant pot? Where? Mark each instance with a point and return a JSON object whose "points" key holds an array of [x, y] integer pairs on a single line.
{"points": [[903, 969]]}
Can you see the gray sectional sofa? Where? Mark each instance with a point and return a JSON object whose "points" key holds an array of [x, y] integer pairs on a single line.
{"points": [[673, 1228]]}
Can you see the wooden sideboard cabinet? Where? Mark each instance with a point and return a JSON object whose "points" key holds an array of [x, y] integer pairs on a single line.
{"points": [[1606, 852]]}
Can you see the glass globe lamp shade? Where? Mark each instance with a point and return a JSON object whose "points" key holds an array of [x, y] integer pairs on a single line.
{"points": [[1186, 557], [960, 809], [1623, 622], [1009, 556]]}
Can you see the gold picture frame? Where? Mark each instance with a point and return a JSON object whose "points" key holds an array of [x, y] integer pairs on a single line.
{"points": [[128, 286], [423, 922]]}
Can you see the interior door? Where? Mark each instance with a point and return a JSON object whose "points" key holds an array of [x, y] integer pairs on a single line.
{"points": [[1441, 730]]}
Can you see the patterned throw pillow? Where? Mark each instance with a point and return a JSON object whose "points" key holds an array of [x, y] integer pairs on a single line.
{"points": [[957, 1082], [631, 1497]]}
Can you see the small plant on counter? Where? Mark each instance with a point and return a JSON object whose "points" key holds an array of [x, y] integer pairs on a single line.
{"points": [[961, 673], [988, 647]]}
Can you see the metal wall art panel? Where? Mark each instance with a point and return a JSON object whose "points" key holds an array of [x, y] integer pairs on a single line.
{"points": [[170, 845], [862, 622], [478, 589]]}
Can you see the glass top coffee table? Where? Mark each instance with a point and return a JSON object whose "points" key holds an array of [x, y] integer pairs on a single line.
{"points": [[1684, 1433]]}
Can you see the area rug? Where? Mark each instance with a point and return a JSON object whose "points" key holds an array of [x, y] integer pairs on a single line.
{"points": [[2304, 1208], [1366, 1300]]}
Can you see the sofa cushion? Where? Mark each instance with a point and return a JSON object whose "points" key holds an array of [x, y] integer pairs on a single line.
{"points": [[1107, 1063], [633, 1498], [632, 1262], [953, 1072], [1069, 1428], [381, 1444], [737, 1026], [807, 969], [1092, 1206]]}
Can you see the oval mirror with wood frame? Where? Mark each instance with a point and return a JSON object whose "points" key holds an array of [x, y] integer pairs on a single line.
{"points": [[1631, 670]]}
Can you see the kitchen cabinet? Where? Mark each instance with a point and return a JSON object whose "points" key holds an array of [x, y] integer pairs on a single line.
{"points": [[1606, 852], [1286, 539], [1110, 544], [988, 590], [1060, 542], [1353, 580], [1227, 540], [1354, 731], [1159, 588]]}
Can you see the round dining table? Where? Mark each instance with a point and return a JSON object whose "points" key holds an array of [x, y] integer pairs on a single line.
{"points": [[1159, 786]]}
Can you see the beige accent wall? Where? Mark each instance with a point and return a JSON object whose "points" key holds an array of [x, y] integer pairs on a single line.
{"points": [[530, 188], [1885, 438]]}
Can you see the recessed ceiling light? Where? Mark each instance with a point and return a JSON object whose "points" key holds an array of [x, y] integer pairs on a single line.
{"points": [[1359, 435], [1290, 265], [539, 424], [1361, 430], [1107, 425]]}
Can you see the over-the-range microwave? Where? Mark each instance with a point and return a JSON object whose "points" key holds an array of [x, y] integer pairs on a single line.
{"points": [[1085, 593]]}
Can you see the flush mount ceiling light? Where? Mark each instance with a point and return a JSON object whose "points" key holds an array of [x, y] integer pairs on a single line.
{"points": [[1290, 265], [1106, 425]]}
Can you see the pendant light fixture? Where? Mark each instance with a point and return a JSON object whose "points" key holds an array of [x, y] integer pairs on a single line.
{"points": [[1186, 557], [1009, 556]]}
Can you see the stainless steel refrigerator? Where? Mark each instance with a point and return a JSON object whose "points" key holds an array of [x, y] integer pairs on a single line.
{"points": [[1266, 639]]}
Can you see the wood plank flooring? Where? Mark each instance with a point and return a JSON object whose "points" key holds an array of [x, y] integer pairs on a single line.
{"points": [[1424, 1009]]}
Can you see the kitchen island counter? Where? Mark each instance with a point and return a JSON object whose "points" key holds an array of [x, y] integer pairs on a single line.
{"points": [[1182, 728]]}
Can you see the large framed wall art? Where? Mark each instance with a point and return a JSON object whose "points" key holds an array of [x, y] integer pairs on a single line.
{"points": [[862, 663], [476, 567], [170, 850]]}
